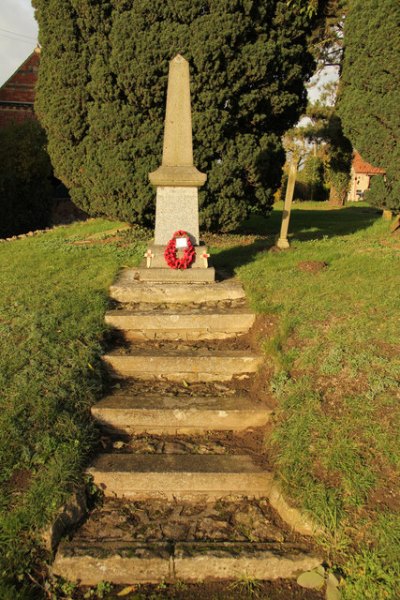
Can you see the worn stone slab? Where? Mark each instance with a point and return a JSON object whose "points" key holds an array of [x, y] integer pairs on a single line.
{"points": [[89, 564], [128, 288], [168, 275], [197, 366], [198, 562], [176, 208], [161, 324], [179, 476], [138, 563], [165, 414]]}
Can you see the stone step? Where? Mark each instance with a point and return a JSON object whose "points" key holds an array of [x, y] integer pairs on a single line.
{"points": [[183, 476], [177, 275], [179, 325], [145, 562], [196, 365], [158, 414], [128, 288]]}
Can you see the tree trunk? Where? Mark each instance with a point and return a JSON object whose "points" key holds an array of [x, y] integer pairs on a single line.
{"points": [[335, 197]]}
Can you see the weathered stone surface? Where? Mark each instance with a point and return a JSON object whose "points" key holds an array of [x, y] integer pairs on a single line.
{"points": [[178, 476], [197, 366], [163, 414], [295, 518], [177, 275], [176, 208], [195, 325], [197, 562], [109, 561], [128, 288], [135, 563]]}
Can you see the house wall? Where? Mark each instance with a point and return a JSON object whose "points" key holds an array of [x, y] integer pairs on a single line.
{"points": [[17, 95], [359, 183]]}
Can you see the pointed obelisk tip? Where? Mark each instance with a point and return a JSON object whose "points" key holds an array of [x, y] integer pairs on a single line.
{"points": [[178, 59], [177, 167]]}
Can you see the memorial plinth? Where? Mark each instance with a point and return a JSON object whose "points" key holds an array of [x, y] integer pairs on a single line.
{"points": [[177, 180]]}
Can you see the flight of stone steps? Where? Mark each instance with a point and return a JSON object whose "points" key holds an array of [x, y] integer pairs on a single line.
{"points": [[183, 471]]}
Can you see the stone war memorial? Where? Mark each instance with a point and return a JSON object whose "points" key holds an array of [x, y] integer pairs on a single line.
{"points": [[177, 181], [188, 494]]}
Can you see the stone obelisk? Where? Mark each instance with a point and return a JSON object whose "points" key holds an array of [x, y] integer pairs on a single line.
{"points": [[177, 180]]}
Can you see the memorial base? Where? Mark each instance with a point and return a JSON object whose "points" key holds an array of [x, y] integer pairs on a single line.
{"points": [[156, 259]]}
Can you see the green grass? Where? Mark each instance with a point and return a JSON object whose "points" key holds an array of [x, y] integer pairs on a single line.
{"points": [[336, 442], [54, 295]]}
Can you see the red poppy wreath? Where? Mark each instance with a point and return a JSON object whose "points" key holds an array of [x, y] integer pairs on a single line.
{"points": [[170, 252]]}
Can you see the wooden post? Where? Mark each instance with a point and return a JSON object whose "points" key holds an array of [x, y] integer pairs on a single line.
{"points": [[283, 241]]}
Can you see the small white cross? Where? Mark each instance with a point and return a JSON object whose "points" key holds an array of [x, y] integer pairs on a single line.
{"points": [[205, 257], [148, 256]]}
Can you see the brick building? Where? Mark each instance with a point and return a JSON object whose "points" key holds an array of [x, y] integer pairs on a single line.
{"points": [[361, 173], [17, 94]]}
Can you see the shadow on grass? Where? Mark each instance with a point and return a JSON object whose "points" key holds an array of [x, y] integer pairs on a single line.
{"points": [[304, 225]]}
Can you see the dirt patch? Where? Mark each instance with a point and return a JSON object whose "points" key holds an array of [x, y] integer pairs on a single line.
{"points": [[264, 328], [19, 481], [386, 494], [116, 340], [220, 590], [234, 518], [250, 442], [311, 266], [334, 388]]}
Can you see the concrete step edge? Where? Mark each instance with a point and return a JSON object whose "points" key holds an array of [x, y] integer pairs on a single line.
{"points": [[128, 289], [127, 415], [130, 563], [178, 367], [184, 476]]}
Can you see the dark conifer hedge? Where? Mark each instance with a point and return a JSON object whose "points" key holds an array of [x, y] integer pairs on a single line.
{"points": [[102, 87], [370, 92], [26, 194]]}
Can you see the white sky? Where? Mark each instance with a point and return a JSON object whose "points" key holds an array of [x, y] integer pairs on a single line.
{"points": [[18, 35]]}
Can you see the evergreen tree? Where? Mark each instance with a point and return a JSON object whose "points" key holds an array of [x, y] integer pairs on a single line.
{"points": [[333, 150], [370, 91], [102, 90], [310, 179], [26, 194]]}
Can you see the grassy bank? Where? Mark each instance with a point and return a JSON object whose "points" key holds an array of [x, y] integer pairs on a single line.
{"points": [[336, 443], [54, 295], [335, 351]]}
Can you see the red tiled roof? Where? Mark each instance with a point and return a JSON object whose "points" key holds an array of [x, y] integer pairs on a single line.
{"points": [[362, 166]]}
